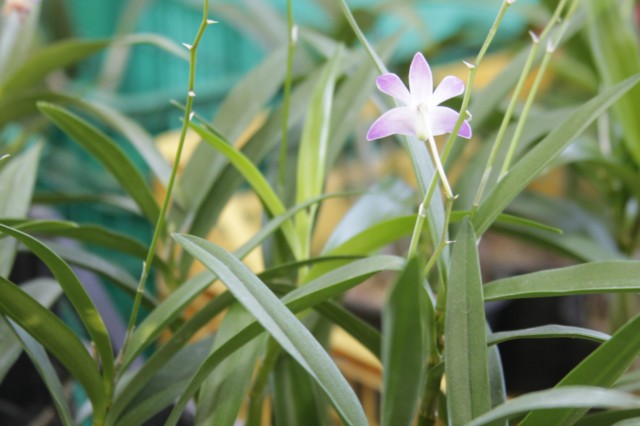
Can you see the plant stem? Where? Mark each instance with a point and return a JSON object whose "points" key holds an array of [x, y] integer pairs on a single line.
{"points": [[292, 30], [512, 103], [551, 45], [160, 224]]}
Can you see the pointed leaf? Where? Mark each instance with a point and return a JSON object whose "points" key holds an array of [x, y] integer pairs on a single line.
{"points": [[468, 394], [601, 368], [570, 396], [108, 153], [281, 323], [76, 294], [404, 351], [312, 153], [18, 179], [534, 162], [595, 277], [56, 337], [546, 332]]}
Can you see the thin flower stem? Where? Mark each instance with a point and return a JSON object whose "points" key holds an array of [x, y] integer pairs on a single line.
{"points": [[452, 137], [512, 103], [551, 45], [525, 114], [286, 102], [160, 224], [471, 78], [443, 239]]}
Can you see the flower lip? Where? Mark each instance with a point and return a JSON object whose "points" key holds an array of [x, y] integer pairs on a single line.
{"points": [[420, 113]]}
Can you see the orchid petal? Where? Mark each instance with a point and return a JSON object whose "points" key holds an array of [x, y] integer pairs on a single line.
{"points": [[392, 85], [396, 121], [449, 87], [420, 79], [442, 120]]}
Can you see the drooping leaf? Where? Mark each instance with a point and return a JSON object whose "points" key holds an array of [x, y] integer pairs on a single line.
{"points": [[296, 301], [77, 295], [67, 52], [569, 396], [56, 337], [255, 178], [108, 153], [548, 331]]}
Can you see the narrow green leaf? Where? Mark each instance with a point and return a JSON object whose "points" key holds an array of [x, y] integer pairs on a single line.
{"points": [[113, 272], [294, 400], [312, 154], [24, 106], [77, 295], [216, 193], [222, 393], [595, 277], [263, 304], [403, 351], [614, 45], [132, 385], [569, 396], [46, 292], [18, 179], [165, 386], [315, 292], [534, 162], [601, 368], [468, 390], [108, 153], [608, 417], [368, 241], [67, 52], [364, 333], [546, 332], [47, 372], [254, 177], [56, 337], [240, 108]]}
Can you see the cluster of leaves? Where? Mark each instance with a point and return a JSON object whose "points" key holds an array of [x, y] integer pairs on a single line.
{"points": [[272, 342]]}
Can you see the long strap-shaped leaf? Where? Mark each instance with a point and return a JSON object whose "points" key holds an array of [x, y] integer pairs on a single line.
{"points": [[570, 396], [530, 166], [468, 394], [602, 368], [596, 277], [254, 177], [548, 331], [78, 297], [404, 350], [108, 153], [56, 337], [280, 322], [312, 155]]}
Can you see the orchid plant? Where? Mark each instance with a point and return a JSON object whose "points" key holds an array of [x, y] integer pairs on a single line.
{"points": [[438, 357]]}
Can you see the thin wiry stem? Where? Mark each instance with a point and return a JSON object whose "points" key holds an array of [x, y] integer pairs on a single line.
{"points": [[160, 224], [512, 103], [551, 45]]}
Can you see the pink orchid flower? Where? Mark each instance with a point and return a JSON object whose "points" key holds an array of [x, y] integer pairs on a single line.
{"points": [[420, 114]]}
